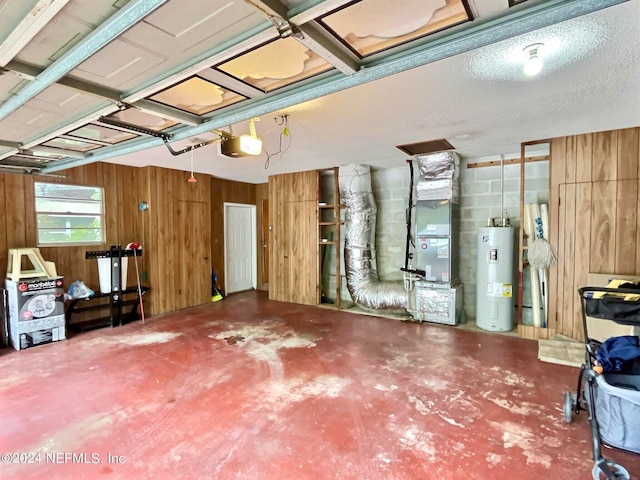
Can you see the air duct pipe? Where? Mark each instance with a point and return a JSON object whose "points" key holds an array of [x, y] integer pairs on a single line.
{"points": [[439, 174], [366, 289]]}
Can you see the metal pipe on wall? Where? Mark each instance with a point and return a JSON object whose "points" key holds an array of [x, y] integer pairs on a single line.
{"points": [[363, 283]]}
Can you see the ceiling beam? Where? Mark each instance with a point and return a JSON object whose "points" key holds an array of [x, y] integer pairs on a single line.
{"points": [[271, 8], [255, 37], [59, 151], [167, 111], [39, 15], [478, 35], [315, 40], [8, 144], [312, 9], [227, 81], [86, 140], [308, 35], [17, 169], [14, 147], [78, 122], [30, 72], [125, 18]]}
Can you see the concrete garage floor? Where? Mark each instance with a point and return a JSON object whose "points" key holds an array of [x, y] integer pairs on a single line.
{"points": [[252, 389]]}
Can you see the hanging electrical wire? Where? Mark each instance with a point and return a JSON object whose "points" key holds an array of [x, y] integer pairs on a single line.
{"points": [[284, 133], [192, 179]]}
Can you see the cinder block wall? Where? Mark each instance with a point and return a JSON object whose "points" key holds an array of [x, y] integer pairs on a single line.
{"points": [[391, 191], [480, 199]]}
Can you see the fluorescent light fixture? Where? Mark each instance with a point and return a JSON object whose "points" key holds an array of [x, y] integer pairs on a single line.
{"points": [[533, 65]]}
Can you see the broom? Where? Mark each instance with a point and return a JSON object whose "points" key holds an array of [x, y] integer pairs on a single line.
{"points": [[135, 246], [216, 294]]}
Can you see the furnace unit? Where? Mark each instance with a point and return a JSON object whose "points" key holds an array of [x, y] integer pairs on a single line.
{"points": [[436, 290]]}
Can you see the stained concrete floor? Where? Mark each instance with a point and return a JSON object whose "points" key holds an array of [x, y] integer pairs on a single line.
{"points": [[251, 389]]}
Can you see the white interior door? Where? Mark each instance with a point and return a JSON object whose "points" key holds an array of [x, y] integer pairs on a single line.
{"points": [[240, 264]]}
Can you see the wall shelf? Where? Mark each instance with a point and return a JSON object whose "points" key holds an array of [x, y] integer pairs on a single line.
{"points": [[104, 302], [329, 222]]}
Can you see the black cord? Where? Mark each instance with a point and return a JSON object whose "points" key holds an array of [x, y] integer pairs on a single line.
{"points": [[409, 239], [283, 121]]}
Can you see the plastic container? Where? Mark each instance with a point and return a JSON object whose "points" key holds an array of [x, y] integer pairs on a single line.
{"points": [[104, 272]]}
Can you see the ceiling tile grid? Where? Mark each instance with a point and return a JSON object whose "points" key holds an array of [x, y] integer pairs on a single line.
{"points": [[178, 69]]}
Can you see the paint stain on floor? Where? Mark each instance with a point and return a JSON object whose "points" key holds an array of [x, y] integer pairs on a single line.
{"points": [[289, 392]]}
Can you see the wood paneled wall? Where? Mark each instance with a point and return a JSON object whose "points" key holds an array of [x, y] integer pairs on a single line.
{"points": [[174, 231], [595, 210], [262, 194], [121, 188], [293, 206], [178, 242]]}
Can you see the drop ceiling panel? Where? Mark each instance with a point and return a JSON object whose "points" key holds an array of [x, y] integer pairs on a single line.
{"points": [[369, 26], [23, 161], [189, 22], [48, 111], [4, 151], [94, 12], [63, 100], [101, 133], [12, 131], [74, 22], [71, 144], [197, 95], [25, 121], [182, 36], [142, 119], [275, 64], [290, 4], [173, 48], [117, 63], [10, 84], [202, 38], [11, 14]]}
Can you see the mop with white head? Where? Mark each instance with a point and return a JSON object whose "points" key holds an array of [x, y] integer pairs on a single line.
{"points": [[541, 253]]}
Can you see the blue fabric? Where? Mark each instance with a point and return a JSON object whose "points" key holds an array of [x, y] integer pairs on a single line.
{"points": [[615, 352]]}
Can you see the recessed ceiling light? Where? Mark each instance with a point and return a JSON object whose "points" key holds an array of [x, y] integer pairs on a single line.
{"points": [[533, 64]]}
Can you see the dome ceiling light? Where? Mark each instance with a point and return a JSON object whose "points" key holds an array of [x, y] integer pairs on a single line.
{"points": [[533, 64]]}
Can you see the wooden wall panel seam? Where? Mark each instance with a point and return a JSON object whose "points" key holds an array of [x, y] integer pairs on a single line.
{"points": [[603, 237], [569, 252]]}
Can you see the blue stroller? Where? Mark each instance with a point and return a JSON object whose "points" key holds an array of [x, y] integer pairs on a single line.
{"points": [[611, 399]]}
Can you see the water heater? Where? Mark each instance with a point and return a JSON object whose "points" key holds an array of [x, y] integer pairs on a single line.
{"points": [[494, 302]]}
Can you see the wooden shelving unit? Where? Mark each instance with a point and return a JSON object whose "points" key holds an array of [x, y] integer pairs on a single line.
{"points": [[329, 223]]}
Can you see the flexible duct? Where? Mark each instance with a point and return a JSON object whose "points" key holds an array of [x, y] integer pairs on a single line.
{"points": [[439, 174], [363, 283]]}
